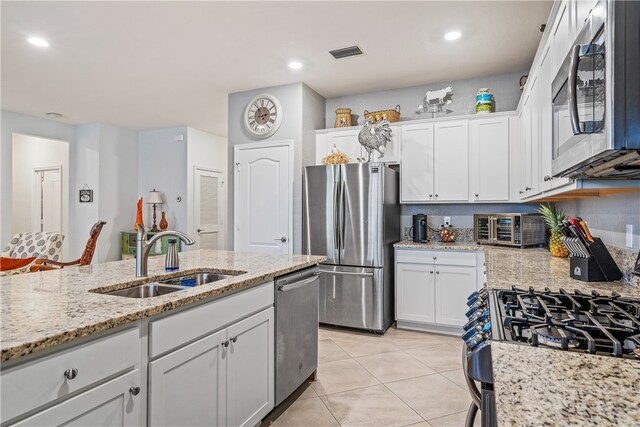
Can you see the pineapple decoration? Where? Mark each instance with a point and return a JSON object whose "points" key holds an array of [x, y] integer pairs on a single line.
{"points": [[554, 216]]}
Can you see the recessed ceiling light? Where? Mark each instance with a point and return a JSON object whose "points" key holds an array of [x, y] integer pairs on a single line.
{"points": [[453, 35], [295, 65], [38, 41]]}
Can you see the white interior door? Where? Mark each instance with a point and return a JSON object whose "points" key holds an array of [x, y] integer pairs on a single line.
{"points": [[263, 197], [208, 208], [46, 212]]}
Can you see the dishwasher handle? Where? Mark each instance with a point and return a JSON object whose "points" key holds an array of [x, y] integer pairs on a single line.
{"points": [[299, 284]]}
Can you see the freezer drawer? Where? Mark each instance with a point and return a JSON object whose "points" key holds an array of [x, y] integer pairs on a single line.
{"points": [[296, 298], [352, 297]]}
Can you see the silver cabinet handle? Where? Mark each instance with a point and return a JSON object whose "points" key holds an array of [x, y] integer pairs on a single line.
{"points": [[437, 272], [477, 194], [71, 373], [527, 188], [234, 339], [200, 230], [134, 390], [431, 272], [435, 258], [282, 239], [225, 343], [430, 195], [436, 195], [520, 192]]}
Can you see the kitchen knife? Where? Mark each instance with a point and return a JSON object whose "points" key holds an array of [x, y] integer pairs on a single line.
{"points": [[587, 233], [578, 227]]}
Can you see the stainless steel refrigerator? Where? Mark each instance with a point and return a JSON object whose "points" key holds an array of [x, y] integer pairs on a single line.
{"points": [[352, 216]]}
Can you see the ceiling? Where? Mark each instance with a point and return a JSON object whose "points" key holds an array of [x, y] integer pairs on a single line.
{"points": [[156, 64]]}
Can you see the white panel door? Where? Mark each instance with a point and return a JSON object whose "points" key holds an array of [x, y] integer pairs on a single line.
{"points": [[209, 208], [560, 35], [250, 369], [453, 287], [108, 405], [347, 142], [415, 292], [46, 211], [451, 161], [188, 387], [263, 198], [416, 165], [489, 139]]}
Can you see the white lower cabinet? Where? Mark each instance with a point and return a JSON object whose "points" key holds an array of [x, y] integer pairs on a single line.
{"points": [[223, 379], [117, 403], [414, 299], [453, 285], [432, 288], [187, 387]]}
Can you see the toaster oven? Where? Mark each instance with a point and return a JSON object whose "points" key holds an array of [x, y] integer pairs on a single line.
{"points": [[510, 229]]}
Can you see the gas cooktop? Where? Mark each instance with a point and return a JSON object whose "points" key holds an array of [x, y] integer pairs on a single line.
{"points": [[574, 321]]}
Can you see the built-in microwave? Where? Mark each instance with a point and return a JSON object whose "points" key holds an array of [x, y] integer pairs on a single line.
{"points": [[510, 229], [596, 97]]}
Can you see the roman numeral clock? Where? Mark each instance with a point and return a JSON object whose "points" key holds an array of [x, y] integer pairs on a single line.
{"points": [[263, 116]]}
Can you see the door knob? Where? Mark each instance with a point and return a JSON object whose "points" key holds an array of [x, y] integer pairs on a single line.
{"points": [[134, 390], [71, 373], [282, 239]]}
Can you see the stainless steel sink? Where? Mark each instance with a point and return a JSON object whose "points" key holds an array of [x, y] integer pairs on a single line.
{"points": [[146, 291], [196, 279]]}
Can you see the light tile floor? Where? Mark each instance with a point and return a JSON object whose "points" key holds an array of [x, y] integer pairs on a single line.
{"points": [[402, 378]]}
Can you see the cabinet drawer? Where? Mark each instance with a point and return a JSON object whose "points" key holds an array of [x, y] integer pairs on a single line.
{"points": [[36, 383], [177, 329], [423, 256]]}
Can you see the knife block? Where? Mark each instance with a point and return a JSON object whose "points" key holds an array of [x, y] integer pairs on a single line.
{"points": [[599, 266]]}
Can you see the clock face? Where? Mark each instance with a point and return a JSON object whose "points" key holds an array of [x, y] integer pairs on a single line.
{"points": [[263, 116]]}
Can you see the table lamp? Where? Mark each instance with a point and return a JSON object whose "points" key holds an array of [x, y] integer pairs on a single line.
{"points": [[155, 198]]}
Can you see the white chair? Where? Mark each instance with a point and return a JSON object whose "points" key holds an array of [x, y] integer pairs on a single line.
{"points": [[26, 245]]}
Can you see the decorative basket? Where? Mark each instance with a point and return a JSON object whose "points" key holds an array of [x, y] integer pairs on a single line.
{"points": [[343, 117], [391, 115]]}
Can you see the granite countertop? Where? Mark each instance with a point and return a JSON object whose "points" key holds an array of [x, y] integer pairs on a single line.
{"points": [[42, 310], [541, 386]]}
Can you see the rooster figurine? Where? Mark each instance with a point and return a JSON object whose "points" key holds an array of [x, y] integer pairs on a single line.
{"points": [[374, 137]]}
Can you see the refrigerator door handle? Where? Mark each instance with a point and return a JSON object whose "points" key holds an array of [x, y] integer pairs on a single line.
{"points": [[347, 273], [340, 222]]}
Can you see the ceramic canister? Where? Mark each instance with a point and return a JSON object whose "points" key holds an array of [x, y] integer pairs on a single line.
{"points": [[484, 100]]}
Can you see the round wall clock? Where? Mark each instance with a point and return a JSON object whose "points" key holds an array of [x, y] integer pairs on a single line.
{"points": [[263, 115]]}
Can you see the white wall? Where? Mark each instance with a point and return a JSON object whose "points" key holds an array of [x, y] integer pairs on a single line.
{"points": [[162, 164], [205, 150], [118, 188], [11, 123], [31, 152]]}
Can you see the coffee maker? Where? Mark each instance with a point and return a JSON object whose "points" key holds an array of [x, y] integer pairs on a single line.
{"points": [[420, 229]]}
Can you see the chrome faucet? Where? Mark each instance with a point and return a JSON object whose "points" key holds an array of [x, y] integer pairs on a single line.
{"points": [[143, 247]]}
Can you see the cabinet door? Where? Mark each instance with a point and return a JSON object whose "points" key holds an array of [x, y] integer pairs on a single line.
{"points": [[188, 386], [415, 292], [347, 142], [452, 287], [110, 404], [525, 126], [489, 139], [561, 35], [451, 161], [250, 369], [416, 166]]}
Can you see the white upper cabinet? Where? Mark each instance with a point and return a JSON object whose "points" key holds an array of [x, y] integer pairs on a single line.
{"points": [[451, 161], [416, 163], [561, 35], [346, 140], [489, 146]]}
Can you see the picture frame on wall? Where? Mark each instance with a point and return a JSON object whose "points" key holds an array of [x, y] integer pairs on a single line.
{"points": [[86, 195]]}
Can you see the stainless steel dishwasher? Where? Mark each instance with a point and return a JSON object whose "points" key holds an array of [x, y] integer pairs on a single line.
{"points": [[296, 330]]}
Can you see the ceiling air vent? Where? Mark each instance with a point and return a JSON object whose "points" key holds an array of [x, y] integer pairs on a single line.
{"points": [[345, 52]]}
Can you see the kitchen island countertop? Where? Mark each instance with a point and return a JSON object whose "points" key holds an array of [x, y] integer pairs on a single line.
{"points": [[541, 386], [42, 310]]}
